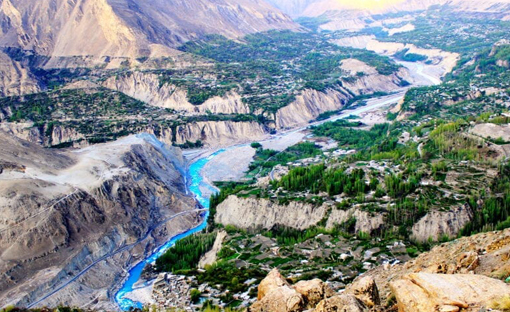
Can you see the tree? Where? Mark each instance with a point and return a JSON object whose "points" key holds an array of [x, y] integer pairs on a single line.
{"points": [[195, 295]]}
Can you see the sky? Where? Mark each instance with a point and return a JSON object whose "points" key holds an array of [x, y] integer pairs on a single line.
{"points": [[368, 4]]}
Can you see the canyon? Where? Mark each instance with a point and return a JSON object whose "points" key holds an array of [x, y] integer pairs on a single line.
{"points": [[99, 98], [84, 213]]}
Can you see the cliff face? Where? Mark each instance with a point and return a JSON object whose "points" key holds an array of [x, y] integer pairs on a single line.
{"points": [[308, 106], [128, 28], [15, 79], [437, 224], [311, 103], [104, 206], [147, 88], [253, 214], [220, 133]]}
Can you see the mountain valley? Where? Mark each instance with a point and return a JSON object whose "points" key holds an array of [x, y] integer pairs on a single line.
{"points": [[218, 155]]}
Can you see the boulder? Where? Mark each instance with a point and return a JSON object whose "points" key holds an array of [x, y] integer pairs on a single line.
{"points": [[281, 299], [366, 291], [314, 291], [438, 292], [272, 281], [342, 303]]}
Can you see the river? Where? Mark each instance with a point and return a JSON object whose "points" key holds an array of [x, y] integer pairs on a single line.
{"points": [[195, 185]]}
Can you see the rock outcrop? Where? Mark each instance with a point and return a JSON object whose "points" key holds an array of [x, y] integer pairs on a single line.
{"points": [[437, 292], [464, 275], [272, 281], [220, 133], [314, 291], [484, 254], [148, 88], [437, 224], [365, 221], [253, 214], [282, 299], [210, 257], [343, 303], [75, 221], [276, 294], [16, 79], [365, 290]]}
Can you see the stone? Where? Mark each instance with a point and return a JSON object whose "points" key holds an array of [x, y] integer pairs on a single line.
{"points": [[281, 299], [342, 303], [366, 291], [441, 292], [314, 291], [271, 282]]}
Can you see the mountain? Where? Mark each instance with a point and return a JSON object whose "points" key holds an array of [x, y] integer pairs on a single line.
{"points": [[128, 27], [294, 8], [62, 211], [353, 15], [318, 7]]}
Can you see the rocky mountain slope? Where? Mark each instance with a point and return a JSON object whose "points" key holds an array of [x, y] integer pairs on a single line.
{"points": [[128, 28], [15, 78], [464, 275], [74, 221]]}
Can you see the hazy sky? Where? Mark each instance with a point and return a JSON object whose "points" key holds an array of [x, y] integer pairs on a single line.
{"points": [[368, 4]]}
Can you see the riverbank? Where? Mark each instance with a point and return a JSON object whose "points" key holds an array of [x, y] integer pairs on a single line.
{"points": [[124, 296], [230, 164]]}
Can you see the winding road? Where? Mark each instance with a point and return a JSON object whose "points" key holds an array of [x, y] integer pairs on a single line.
{"points": [[109, 255]]}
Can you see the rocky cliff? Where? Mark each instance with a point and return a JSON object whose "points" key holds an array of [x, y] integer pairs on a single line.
{"points": [[438, 224], [311, 103], [128, 28], [147, 88], [220, 133], [308, 106], [16, 79], [253, 214], [73, 222]]}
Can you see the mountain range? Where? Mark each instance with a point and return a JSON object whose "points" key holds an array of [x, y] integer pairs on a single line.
{"points": [[128, 27]]}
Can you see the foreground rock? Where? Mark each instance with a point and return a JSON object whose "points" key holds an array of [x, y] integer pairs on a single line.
{"points": [[314, 291], [276, 294], [485, 254], [441, 292], [366, 291], [273, 280], [464, 275], [282, 299], [344, 303]]}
